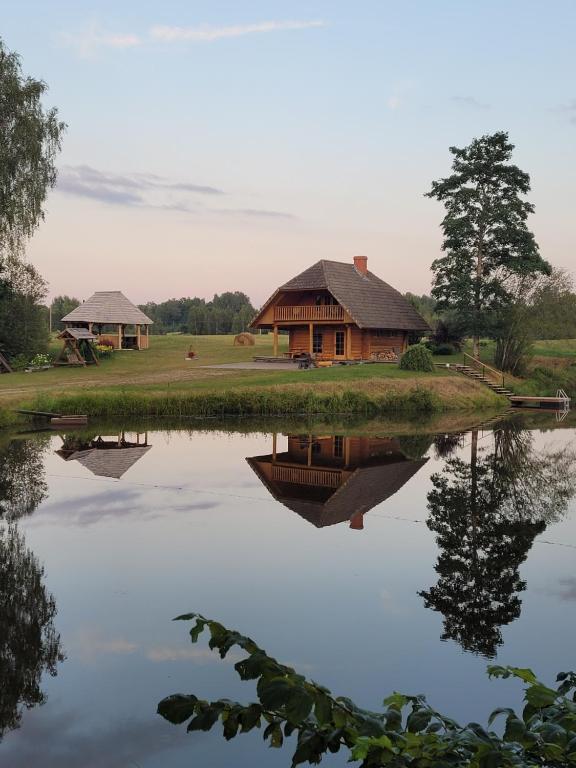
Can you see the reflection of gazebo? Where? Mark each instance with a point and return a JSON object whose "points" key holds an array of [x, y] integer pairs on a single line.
{"points": [[329, 480], [103, 456], [116, 321]]}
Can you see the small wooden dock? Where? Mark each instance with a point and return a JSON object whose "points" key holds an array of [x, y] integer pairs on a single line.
{"points": [[561, 402]]}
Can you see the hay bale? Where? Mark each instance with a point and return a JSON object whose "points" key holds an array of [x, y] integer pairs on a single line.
{"points": [[244, 340]]}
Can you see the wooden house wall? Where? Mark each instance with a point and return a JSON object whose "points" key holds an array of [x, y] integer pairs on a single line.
{"points": [[360, 450], [364, 343]]}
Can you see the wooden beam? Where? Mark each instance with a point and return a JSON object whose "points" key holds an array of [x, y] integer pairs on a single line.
{"points": [[119, 335], [349, 342], [275, 341], [138, 335], [274, 446], [311, 338]]}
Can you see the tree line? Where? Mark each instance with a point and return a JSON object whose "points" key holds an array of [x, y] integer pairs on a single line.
{"points": [[229, 312]]}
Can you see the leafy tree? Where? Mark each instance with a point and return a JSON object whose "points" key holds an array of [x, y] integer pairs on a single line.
{"points": [[60, 307], [30, 139], [542, 307], [23, 320], [408, 733], [485, 514], [22, 478], [229, 312], [29, 643], [424, 305], [487, 243]]}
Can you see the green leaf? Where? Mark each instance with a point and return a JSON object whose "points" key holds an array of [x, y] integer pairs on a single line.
{"points": [[417, 721], [323, 709], [299, 705], [177, 708], [396, 700], [204, 720], [540, 696], [275, 692], [250, 717]]}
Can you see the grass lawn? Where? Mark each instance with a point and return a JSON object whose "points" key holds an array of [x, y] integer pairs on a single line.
{"points": [[163, 369]]}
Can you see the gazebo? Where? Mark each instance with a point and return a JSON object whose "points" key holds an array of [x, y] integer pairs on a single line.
{"points": [[113, 319]]}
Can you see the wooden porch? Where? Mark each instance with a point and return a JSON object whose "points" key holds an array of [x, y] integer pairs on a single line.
{"points": [[303, 313]]}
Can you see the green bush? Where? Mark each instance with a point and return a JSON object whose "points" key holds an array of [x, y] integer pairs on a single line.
{"points": [[417, 358]]}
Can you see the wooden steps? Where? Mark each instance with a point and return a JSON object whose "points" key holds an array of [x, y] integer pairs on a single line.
{"points": [[472, 373]]}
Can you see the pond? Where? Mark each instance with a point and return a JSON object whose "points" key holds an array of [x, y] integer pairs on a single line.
{"points": [[369, 558]]}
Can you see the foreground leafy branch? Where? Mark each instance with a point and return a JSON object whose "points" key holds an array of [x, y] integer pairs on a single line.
{"points": [[408, 732]]}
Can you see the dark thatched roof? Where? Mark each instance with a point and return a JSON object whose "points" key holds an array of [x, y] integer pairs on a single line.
{"points": [[365, 488], [370, 301]]}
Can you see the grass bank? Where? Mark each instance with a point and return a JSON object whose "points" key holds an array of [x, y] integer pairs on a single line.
{"points": [[248, 402], [161, 382]]}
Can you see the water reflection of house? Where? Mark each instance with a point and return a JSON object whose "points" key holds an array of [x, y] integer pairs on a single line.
{"points": [[105, 456], [332, 479]]}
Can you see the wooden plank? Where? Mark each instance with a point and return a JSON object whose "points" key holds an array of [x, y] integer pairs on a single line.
{"points": [[5, 364], [47, 414]]}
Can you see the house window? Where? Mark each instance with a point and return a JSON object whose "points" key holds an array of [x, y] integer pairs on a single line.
{"points": [[381, 334], [339, 343], [338, 446], [317, 342]]}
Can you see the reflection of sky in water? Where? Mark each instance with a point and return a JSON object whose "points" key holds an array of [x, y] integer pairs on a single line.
{"points": [[191, 527]]}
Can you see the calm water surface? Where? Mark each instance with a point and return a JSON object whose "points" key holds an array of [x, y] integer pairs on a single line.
{"points": [[371, 564]]}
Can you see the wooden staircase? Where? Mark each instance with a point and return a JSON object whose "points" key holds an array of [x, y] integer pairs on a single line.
{"points": [[490, 377]]}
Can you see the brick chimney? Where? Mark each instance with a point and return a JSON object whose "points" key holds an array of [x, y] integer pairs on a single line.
{"points": [[361, 264], [357, 521]]}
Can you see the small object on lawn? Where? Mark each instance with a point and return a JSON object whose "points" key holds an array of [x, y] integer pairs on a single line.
{"points": [[305, 361], [244, 340], [191, 354], [324, 364]]}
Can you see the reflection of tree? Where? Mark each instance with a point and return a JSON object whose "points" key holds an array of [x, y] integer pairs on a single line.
{"points": [[486, 514], [22, 483], [29, 643]]}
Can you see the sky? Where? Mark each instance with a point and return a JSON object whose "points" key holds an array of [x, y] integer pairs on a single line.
{"points": [[227, 145]]}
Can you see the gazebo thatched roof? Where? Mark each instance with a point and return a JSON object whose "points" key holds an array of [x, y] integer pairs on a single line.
{"points": [[108, 308]]}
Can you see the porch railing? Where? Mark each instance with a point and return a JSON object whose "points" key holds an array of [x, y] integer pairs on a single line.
{"points": [[324, 478], [311, 312]]}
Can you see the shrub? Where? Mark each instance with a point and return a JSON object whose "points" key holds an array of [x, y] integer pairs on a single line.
{"points": [[442, 349], [417, 358], [40, 361]]}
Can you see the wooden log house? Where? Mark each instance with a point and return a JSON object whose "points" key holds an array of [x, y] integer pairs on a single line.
{"points": [[113, 319], [334, 479], [341, 312]]}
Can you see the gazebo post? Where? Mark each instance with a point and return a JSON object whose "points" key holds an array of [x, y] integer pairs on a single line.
{"points": [[119, 335], [138, 335]]}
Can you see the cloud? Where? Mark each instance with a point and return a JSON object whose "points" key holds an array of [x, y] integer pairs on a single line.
{"points": [[148, 190], [469, 101], [207, 33], [198, 655], [89, 644], [93, 37], [86, 41], [569, 110], [566, 589], [253, 212]]}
